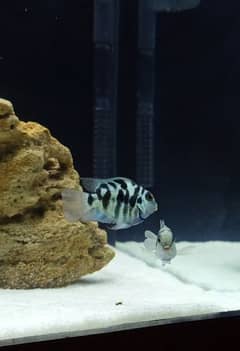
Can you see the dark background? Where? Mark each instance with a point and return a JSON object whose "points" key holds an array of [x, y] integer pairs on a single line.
{"points": [[198, 120], [46, 70]]}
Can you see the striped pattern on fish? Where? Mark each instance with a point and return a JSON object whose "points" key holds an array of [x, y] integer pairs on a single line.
{"points": [[118, 202]]}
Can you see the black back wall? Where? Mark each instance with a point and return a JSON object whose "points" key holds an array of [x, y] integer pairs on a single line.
{"points": [[198, 120], [46, 56]]}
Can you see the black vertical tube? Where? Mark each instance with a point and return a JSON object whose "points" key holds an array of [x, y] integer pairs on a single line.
{"points": [[145, 94], [106, 87], [128, 25]]}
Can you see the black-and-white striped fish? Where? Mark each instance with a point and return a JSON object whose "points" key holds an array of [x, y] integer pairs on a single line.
{"points": [[118, 202]]}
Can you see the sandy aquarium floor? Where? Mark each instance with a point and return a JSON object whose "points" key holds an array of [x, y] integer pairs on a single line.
{"points": [[203, 278]]}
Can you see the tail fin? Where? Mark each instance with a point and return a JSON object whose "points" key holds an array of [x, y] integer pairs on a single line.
{"points": [[150, 241], [75, 205]]}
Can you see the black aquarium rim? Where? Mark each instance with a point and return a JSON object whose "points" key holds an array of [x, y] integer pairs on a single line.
{"points": [[125, 327]]}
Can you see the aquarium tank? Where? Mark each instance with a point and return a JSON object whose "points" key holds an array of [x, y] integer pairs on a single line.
{"points": [[119, 165]]}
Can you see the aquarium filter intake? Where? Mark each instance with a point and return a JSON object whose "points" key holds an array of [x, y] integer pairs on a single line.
{"points": [[112, 100]]}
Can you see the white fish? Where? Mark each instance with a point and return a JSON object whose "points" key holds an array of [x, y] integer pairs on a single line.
{"points": [[118, 202], [163, 244]]}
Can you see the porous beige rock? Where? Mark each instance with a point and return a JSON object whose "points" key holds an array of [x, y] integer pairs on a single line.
{"points": [[38, 247]]}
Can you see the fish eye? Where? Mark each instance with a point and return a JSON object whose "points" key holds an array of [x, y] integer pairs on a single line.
{"points": [[149, 196]]}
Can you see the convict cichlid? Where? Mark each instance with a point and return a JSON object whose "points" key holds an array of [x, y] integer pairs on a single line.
{"points": [[163, 244], [118, 202]]}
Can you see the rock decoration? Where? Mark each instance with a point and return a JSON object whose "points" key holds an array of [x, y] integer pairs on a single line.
{"points": [[38, 247]]}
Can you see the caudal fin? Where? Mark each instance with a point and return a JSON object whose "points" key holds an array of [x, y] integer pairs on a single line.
{"points": [[150, 241], [75, 205]]}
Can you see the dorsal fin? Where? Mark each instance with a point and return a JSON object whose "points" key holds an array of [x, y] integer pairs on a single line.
{"points": [[91, 184], [162, 223]]}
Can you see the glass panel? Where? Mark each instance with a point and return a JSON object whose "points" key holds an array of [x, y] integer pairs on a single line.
{"points": [[136, 222], [186, 147]]}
